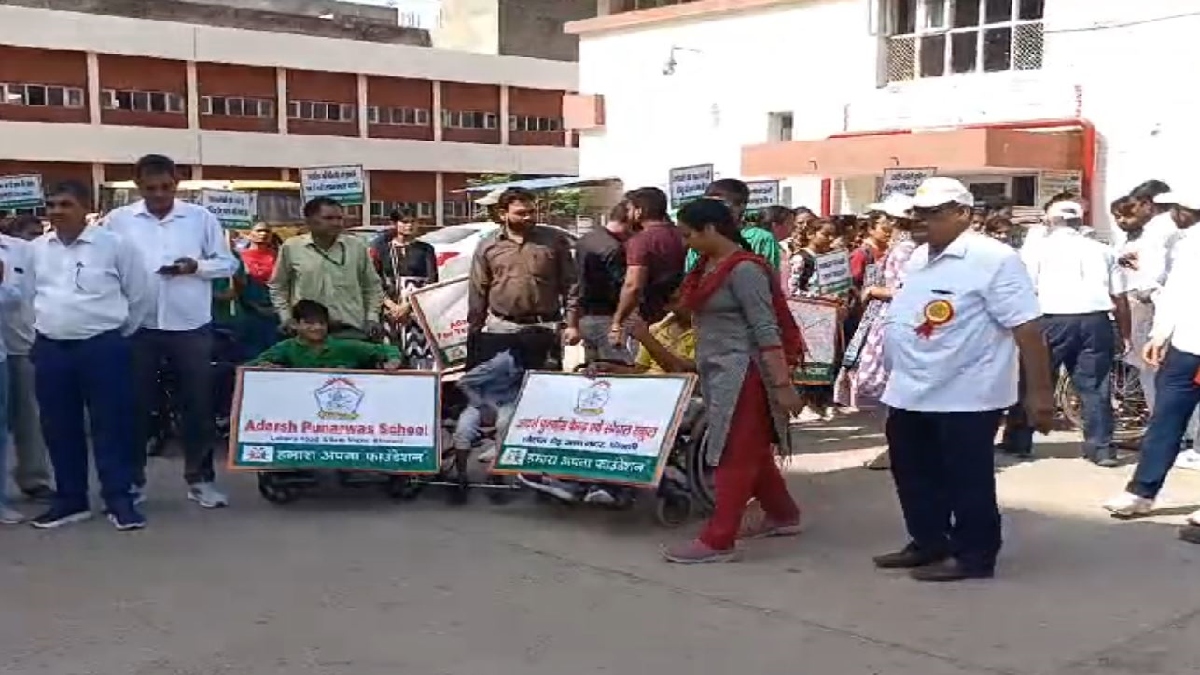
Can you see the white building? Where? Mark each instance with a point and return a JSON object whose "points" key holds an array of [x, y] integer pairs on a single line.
{"points": [[761, 88]]}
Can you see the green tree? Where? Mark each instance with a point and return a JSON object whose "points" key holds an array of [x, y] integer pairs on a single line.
{"points": [[559, 203]]}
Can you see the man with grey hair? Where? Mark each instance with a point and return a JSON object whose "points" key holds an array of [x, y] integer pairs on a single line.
{"points": [[1079, 284]]}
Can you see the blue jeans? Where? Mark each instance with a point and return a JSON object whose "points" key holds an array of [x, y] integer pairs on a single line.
{"points": [[95, 373], [1178, 394], [945, 477], [469, 427], [4, 443]]}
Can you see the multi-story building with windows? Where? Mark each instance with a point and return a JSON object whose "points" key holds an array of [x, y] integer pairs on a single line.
{"points": [[83, 95], [1019, 98]]}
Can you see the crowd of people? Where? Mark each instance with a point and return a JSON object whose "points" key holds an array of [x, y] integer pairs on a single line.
{"points": [[956, 320]]}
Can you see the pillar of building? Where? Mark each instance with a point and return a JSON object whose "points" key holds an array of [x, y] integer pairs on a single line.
{"points": [[363, 97], [97, 179], [281, 99], [366, 205], [93, 87], [439, 204], [197, 172], [503, 121], [193, 96], [285, 174], [437, 110]]}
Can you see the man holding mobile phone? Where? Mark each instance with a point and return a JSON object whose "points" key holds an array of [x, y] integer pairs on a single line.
{"points": [[186, 250]]}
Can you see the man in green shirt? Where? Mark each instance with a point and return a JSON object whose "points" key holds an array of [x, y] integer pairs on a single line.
{"points": [[313, 348], [736, 195], [331, 269]]}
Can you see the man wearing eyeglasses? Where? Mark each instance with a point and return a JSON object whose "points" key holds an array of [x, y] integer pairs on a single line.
{"points": [[951, 340], [91, 292]]}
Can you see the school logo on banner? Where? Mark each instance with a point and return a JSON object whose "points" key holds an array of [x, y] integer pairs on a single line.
{"points": [[593, 398], [338, 399]]}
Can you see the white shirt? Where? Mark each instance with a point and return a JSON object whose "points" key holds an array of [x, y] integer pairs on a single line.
{"points": [[17, 330], [968, 363], [1151, 247], [96, 284], [189, 231], [1072, 273], [1175, 314]]}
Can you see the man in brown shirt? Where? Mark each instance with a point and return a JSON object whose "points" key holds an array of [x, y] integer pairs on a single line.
{"points": [[519, 284]]}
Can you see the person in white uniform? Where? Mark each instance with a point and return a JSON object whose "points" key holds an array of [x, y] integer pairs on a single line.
{"points": [[1174, 350], [951, 341], [1079, 283], [185, 250]]}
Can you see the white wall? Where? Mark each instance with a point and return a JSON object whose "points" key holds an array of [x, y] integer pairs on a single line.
{"points": [[748, 65], [820, 60]]}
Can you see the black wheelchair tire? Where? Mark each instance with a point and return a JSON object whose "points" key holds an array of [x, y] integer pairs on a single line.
{"points": [[699, 473]]}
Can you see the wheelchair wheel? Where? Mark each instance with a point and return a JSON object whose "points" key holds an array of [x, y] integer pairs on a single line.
{"points": [[274, 492], [699, 473], [673, 510], [402, 488]]}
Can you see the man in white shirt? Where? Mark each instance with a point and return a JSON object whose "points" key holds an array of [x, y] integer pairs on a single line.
{"points": [[91, 292], [1174, 350], [951, 341], [1078, 283], [32, 470], [185, 250]]}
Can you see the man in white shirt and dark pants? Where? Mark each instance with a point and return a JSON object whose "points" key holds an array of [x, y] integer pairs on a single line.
{"points": [[951, 341], [32, 470], [1174, 350], [1078, 284], [90, 293], [185, 250]]}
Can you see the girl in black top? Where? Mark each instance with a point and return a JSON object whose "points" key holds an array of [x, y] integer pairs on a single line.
{"points": [[405, 264]]}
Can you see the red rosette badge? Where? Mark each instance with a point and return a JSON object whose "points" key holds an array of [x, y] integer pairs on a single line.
{"points": [[937, 313]]}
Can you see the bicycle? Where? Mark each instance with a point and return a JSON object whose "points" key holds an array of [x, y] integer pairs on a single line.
{"points": [[1130, 411]]}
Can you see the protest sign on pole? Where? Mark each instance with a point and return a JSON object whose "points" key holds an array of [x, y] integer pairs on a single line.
{"points": [[345, 185], [686, 183], [833, 273], [324, 419], [612, 429], [821, 330], [235, 210], [441, 311], [763, 193], [904, 181], [21, 192]]}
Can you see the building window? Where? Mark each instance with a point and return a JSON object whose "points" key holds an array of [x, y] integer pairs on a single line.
{"points": [[933, 38], [142, 101], [532, 123], [459, 210], [404, 117], [456, 119], [381, 210], [41, 95], [779, 127], [237, 106], [320, 111]]}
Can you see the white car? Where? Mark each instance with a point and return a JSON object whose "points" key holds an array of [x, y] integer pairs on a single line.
{"points": [[455, 244]]}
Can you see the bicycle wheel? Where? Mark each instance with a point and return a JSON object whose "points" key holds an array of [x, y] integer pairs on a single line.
{"points": [[699, 473]]}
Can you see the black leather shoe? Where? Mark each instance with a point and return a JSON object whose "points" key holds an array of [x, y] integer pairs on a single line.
{"points": [[949, 570], [907, 558], [1190, 533]]}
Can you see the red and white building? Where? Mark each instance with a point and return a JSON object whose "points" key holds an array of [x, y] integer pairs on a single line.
{"points": [[82, 96]]}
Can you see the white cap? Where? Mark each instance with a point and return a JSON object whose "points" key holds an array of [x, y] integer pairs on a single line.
{"points": [[896, 205], [1188, 199], [1059, 211], [940, 190]]}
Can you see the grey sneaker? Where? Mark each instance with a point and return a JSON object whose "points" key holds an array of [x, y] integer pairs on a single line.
{"points": [[207, 495], [11, 516]]}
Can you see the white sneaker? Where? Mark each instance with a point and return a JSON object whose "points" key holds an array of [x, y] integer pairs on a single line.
{"points": [[806, 415], [488, 455], [1194, 519], [551, 486], [11, 516], [1129, 506], [830, 413], [1188, 459], [207, 495], [598, 495]]}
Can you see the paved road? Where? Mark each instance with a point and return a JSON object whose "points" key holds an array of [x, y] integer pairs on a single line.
{"points": [[355, 585]]}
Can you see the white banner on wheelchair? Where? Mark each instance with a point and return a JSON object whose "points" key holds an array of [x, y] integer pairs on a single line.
{"points": [[441, 309], [609, 429], [325, 419]]}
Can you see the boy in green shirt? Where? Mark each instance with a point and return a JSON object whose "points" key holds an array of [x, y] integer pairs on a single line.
{"points": [[736, 195], [313, 348]]}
